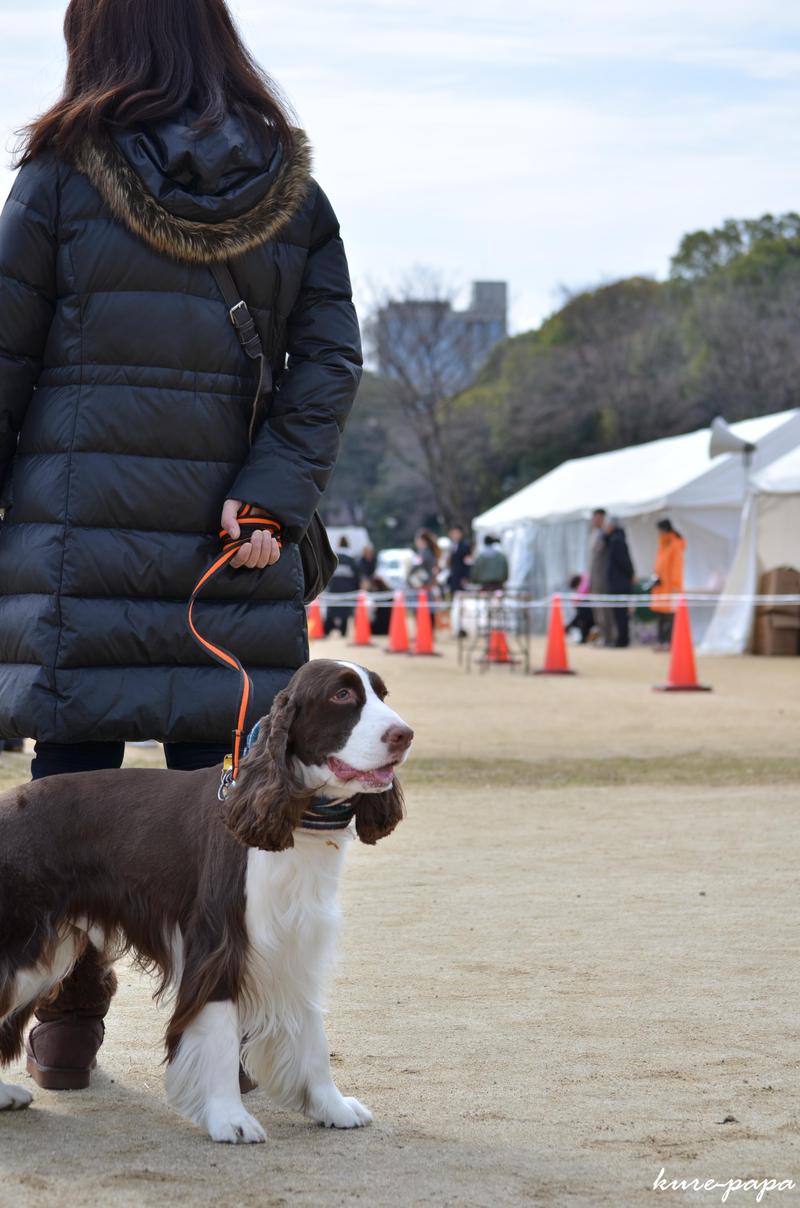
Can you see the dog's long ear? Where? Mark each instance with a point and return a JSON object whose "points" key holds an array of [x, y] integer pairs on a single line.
{"points": [[377, 814], [265, 805]]}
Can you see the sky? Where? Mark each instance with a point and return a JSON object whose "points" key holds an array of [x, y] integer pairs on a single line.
{"points": [[552, 145]]}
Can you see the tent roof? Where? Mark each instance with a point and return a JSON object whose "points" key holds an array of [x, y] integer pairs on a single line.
{"points": [[646, 478], [782, 476]]}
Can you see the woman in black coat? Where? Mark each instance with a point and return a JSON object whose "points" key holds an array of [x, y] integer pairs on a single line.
{"points": [[619, 576], [125, 396]]}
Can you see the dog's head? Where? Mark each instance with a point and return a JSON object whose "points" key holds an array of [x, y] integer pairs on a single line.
{"points": [[329, 733]]}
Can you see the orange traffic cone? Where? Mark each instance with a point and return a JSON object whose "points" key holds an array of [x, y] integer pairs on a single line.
{"points": [[363, 633], [497, 648], [315, 627], [555, 658], [682, 676], [398, 631], [423, 640]]}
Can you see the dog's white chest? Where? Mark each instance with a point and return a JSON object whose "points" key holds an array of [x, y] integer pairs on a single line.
{"points": [[292, 918]]}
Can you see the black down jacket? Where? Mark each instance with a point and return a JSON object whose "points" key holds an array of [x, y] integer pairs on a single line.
{"points": [[124, 407], [619, 567]]}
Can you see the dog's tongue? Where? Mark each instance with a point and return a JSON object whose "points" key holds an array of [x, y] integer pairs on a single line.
{"points": [[374, 778]]}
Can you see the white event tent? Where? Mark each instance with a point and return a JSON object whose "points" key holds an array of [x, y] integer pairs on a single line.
{"points": [[544, 526], [769, 537]]}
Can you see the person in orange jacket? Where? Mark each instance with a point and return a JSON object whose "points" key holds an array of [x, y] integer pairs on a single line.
{"points": [[669, 578]]}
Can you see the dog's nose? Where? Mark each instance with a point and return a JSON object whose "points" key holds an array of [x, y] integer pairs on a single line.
{"points": [[398, 739]]}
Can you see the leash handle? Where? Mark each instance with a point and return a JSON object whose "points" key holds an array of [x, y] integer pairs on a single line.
{"points": [[230, 547]]}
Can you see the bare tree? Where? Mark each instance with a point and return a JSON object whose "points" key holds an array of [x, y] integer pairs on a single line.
{"points": [[430, 352]]}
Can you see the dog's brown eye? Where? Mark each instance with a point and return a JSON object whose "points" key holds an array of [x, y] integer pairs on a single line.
{"points": [[343, 696]]}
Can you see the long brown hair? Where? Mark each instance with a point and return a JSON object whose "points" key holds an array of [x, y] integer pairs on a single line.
{"points": [[135, 61], [427, 537]]}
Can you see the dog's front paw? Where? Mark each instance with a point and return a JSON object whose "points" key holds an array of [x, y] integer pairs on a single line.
{"points": [[332, 1109], [13, 1098], [230, 1122]]}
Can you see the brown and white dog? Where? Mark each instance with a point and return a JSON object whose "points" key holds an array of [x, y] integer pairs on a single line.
{"points": [[234, 904]]}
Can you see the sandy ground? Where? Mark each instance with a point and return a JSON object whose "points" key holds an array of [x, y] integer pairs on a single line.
{"points": [[568, 967]]}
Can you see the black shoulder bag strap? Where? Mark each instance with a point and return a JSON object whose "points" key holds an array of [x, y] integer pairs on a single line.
{"points": [[246, 330], [319, 560]]}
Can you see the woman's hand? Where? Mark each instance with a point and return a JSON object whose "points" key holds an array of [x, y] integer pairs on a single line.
{"points": [[260, 550]]}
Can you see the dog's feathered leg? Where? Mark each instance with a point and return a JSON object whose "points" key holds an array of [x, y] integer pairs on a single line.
{"points": [[294, 1067], [203, 1076], [324, 1102]]}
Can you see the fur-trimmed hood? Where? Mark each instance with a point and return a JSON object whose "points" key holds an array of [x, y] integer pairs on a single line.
{"points": [[198, 197]]}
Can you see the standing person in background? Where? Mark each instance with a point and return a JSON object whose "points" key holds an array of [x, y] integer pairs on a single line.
{"points": [[425, 567], [366, 564], [620, 577], [490, 568], [346, 580], [458, 574], [460, 554], [381, 611], [598, 576], [127, 433], [669, 573]]}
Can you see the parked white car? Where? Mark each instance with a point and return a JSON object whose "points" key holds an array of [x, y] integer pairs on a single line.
{"points": [[357, 537], [393, 566]]}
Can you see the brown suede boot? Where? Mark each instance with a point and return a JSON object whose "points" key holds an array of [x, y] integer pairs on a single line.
{"points": [[246, 1084], [62, 1047]]}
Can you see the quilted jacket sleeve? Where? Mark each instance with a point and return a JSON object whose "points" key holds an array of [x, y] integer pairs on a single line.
{"points": [[296, 448], [28, 242]]}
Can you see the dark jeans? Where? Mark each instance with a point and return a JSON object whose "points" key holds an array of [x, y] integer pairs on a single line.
{"points": [[54, 758], [665, 620]]}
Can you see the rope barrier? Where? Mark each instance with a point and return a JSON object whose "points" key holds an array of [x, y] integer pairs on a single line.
{"points": [[510, 600]]}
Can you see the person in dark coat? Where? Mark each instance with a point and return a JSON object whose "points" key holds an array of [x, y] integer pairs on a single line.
{"points": [[460, 559], [382, 611], [346, 580], [619, 576], [125, 406], [366, 565]]}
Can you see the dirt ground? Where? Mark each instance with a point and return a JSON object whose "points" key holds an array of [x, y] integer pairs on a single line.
{"points": [[573, 965]]}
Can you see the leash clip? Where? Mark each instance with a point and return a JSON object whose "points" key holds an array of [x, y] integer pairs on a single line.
{"points": [[226, 780]]}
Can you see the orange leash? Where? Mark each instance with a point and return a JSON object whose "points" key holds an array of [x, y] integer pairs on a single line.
{"points": [[230, 547]]}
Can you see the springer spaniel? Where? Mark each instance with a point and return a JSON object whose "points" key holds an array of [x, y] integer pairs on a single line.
{"points": [[234, 905]]}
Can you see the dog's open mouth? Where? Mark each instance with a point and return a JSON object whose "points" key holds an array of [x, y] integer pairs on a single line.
{"points": [[373, 777]]}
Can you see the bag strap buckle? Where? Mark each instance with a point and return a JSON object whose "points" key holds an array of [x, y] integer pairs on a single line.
{"points": [[239, 314], [245, 328]]}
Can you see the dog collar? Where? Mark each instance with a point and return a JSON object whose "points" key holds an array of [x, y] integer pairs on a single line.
{"points": [[321, 815]]}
